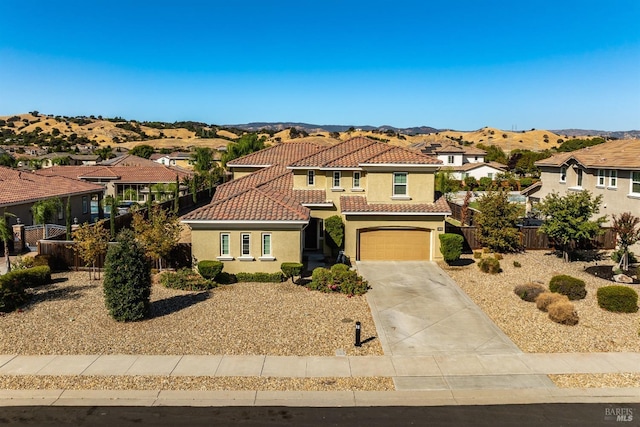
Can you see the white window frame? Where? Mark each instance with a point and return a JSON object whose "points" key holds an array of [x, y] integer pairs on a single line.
{"points": [[356, 181], [225, 256], [613, 178], [266, 256], [634, 180], [451, 159], [336, 175], [601, 178], [563, 174], [405, 185], [579, 177], [245, 256], [311, 178]]}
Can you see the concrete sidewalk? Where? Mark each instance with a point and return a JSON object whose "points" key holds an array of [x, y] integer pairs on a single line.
{"points": [[419, 380]]}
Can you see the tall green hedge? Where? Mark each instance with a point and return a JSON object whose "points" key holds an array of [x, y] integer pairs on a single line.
{"points": [[451, 246], [127, 280]]}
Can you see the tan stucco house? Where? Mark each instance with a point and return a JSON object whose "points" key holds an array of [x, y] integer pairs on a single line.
{"points": [[611, 169], [273, 211]]}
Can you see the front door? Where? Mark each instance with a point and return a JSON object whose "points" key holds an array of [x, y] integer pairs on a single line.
{"points": [[311, 235]]}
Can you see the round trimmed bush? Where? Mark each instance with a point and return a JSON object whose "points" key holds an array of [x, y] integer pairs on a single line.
{"points": [[619, 299], [451, 246], [563, 312], [529, 291], [572, 287], [545, 299], [490, 265], [209, 269]]}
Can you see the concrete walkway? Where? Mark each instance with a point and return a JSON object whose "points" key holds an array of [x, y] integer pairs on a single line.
{"points": [[420, 380], [419, 310]]}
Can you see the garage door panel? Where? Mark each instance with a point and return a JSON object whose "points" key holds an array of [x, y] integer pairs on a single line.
{"points": [[395, 245]]}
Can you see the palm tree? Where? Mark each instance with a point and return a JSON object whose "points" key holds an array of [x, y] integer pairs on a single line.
{"points": [[6, 235]]}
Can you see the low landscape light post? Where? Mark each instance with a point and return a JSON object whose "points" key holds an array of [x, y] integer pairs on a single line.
{"points": [[358, 342]]}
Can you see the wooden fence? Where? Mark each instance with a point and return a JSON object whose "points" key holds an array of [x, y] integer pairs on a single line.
{"points": [[530, 238]]}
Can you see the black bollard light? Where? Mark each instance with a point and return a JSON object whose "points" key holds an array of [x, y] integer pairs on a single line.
{"points": [[358, 342]]}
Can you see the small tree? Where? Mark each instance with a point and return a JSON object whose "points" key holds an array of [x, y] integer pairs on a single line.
{"points": [[567, 219], [496, 222], [627, 227], [158, 234], [127, 280], [91, 242], [464, 212], [6, 235], [44, 211]]}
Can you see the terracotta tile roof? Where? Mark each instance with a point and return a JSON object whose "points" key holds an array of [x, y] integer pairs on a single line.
{"points": [[124, 174], [252, 204], [252, 180], [282, 154], [360, 151], [129, 160], [608, 155], [359, 204], [310, 197], [24, 187]]}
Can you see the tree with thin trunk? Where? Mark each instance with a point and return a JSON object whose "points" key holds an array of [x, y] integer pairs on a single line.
{"points": [[6, 234], [158, 234], [627, 227], [44, 211], [91, 242]]}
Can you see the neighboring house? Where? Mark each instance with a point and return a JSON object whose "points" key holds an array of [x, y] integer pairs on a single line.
{"points": [[276, 209], [20, 190], [179, 158], [51, 159], [611, 169], [128, 183], [463, 162]]}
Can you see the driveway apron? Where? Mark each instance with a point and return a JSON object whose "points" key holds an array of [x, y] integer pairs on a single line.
{"points": [[419, 310]]}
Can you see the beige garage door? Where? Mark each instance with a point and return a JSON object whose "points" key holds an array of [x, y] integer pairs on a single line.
{"points": [[394, 245]]}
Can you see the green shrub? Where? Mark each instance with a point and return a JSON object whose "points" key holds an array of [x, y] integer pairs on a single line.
{"points": [[477, 255], [185, 279], [616, 255], [572, 287], [498, 256], [225, 278], [12, 294], [334, 231], [338, 279], [619, 299], [563, 312], [260, 277], [517, 264], [490, 265], [127, 279], [545, 299], [56, 263], [210, 269], [451, 246], [291, 269], [529, 291]]}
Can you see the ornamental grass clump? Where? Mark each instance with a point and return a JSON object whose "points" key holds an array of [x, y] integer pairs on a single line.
{"points": [[619, 299], [490, 265], [545, 299], [563, 312], [529, 291], [572, 287]]}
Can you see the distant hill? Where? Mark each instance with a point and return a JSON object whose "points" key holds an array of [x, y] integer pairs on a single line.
{"points": [[311, 128], [628, 134]]}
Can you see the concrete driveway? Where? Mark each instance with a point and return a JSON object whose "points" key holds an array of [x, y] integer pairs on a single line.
{"points": [[419, 310]]}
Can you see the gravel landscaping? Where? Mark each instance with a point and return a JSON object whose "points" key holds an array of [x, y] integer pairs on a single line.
{"points": [[531, 329], [283, 319]]}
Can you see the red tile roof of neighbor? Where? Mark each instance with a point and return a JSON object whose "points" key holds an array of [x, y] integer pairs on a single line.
{"points": [[281, 154], [609, 155], [359, 204], [124, 174], [129, 160], [24, 187]]}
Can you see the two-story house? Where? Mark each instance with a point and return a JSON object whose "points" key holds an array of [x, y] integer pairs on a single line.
{"points": [[611, 169], [274, 209], [463, 162]]}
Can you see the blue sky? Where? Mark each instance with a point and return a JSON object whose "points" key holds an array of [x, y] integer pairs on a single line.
{"points": [[460, 65]]}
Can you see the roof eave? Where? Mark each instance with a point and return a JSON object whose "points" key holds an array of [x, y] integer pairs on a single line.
{"points": [[387, 213]]}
